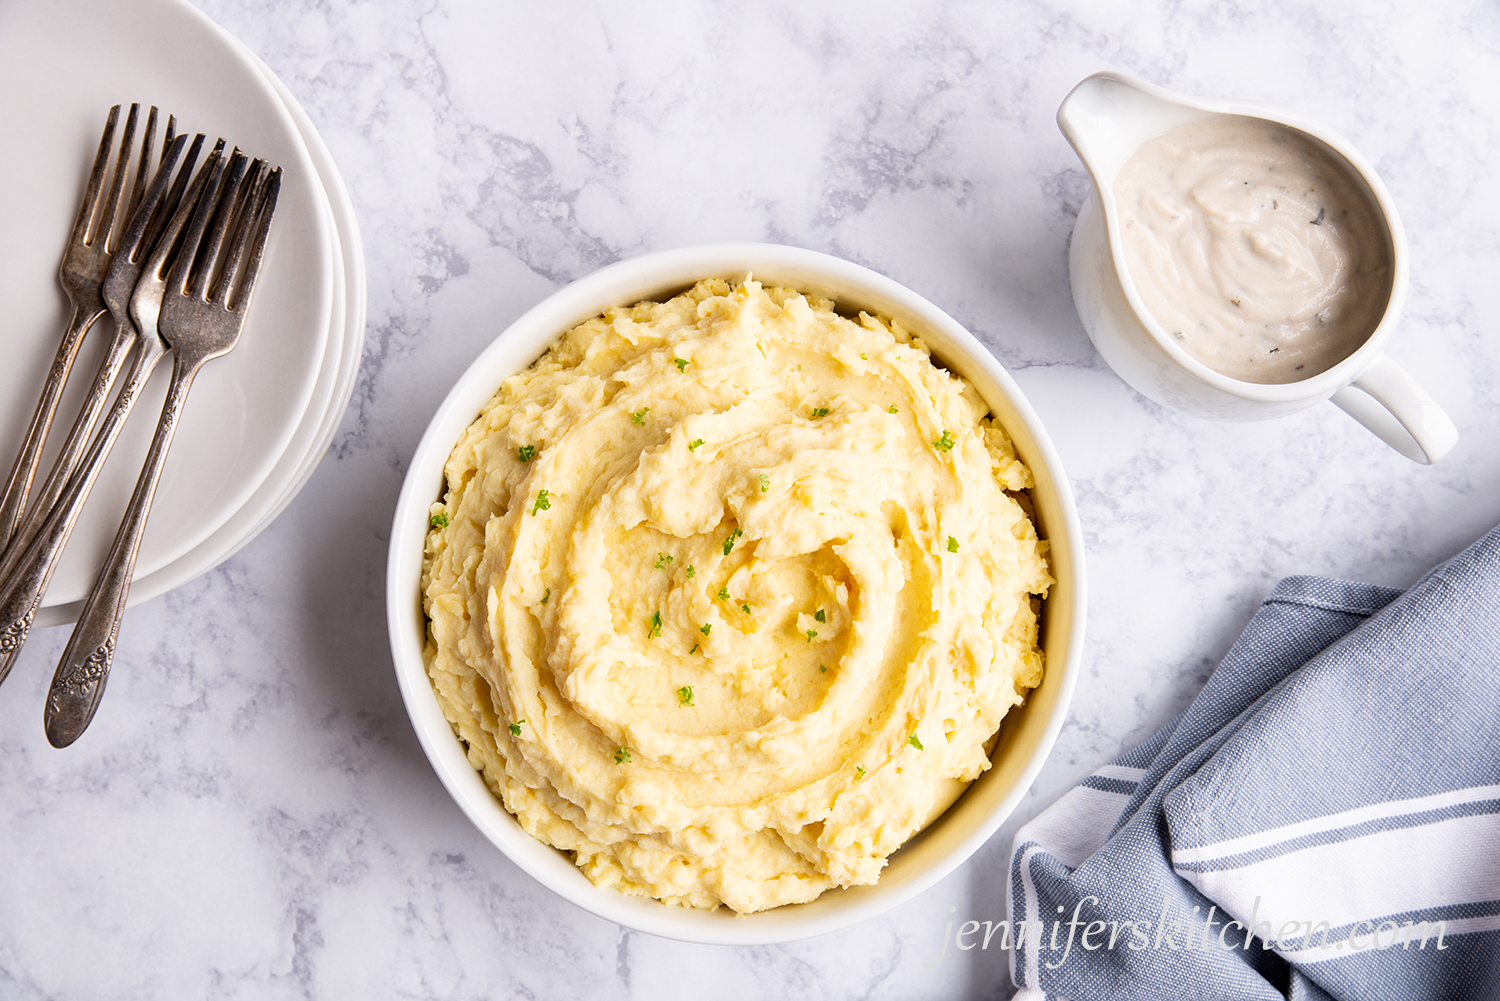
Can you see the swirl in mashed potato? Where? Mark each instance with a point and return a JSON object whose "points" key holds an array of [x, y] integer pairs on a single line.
{"points": [[728, 593]]}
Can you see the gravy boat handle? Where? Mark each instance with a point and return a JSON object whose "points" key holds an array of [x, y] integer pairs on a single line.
{"points": [[1399, 412]]}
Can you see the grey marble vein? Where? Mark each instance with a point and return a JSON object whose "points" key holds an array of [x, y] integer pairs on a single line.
{"points": [[251, 816]]}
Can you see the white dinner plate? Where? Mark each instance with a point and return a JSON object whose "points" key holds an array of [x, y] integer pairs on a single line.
{"points": [[333, 388], [62, 64]]}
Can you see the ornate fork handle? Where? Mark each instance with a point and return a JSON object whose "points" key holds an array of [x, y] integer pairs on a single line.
{"points": [[81, 674], [13, 635], [84, 684], [25, 574]]}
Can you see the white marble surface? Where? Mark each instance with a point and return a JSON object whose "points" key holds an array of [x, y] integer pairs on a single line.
{"points": [[251, 817]]}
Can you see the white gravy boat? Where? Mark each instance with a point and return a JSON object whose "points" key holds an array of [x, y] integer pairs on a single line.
{"points": [[1106, 118]]}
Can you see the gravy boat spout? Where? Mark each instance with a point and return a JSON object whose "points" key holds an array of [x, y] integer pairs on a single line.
{"points": [[1106, 118], [1108, 115]]}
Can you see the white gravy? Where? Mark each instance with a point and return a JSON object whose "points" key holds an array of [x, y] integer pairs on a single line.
{"points": [[1253, 247]]}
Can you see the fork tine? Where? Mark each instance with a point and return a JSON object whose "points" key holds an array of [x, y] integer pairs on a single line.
{"points": [[165, 253], [203, 206], [171, 134], [117, 182], [162, 214], [174, 198], [208, 249], [135, 242], [96, 179], [143, 168], [264, 210], [238, 233]]}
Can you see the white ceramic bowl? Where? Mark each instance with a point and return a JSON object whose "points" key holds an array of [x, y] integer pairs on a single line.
{"points": [[1028, 731]]}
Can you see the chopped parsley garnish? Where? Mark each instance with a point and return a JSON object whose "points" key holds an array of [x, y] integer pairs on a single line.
{"points": [[526, 453], [729, 540], [914, 742], [745, 608], [640, 415], [439, 520], [685, 695], [655, 629], [695, 444], [515, 728], [681, 363], [662, 559], [952, 544], [822, 668], [810, 634], [692, 571], [724, 593], [543, 502], [820, 412], [859, 773], [694, 649], [820, 616], [622, 756], [546, 596], [765, 483], [946, 442], [891, 409], [864, 356], [706, 628]]}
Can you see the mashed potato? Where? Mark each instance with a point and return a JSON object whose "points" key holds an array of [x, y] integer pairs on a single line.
{"points": [[727, 594]]}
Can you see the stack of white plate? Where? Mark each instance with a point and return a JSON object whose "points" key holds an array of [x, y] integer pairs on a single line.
{"points": [[259, 419]]}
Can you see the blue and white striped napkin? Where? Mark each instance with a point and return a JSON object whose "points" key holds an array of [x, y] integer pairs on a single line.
{"points": [[1335, 789]]}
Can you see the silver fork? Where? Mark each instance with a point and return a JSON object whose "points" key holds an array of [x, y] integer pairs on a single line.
{"points": [[201, 316], [119, 281], [134, 299], [83, 268]]}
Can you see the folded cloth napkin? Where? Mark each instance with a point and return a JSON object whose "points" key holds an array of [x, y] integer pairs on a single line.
{"points": [[1323, 821]]}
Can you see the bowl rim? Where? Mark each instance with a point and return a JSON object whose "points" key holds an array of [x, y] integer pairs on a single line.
{"points": [[650, 276]]}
